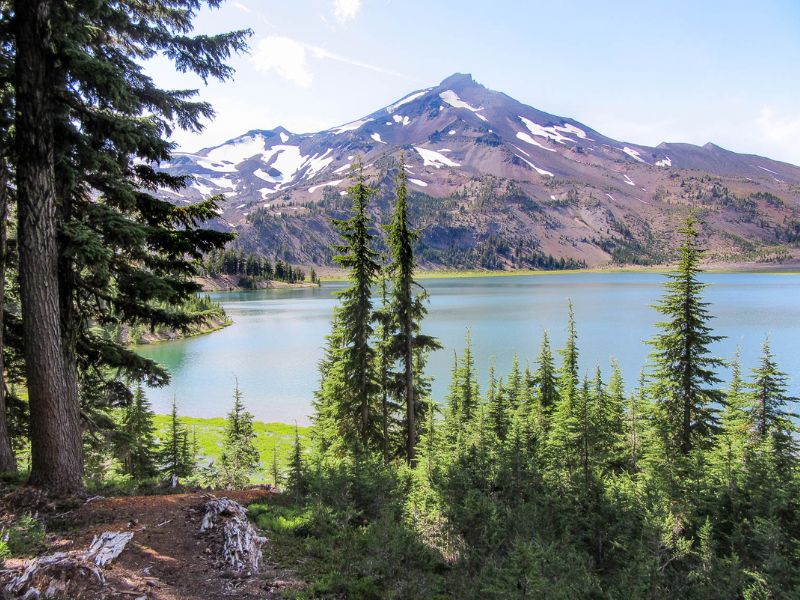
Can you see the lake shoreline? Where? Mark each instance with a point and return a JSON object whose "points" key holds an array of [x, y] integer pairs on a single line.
{"points": [[737, 268]]}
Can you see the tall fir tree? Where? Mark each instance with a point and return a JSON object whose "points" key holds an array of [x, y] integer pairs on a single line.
{"points": [[97, 246], [409, 308], [355, 315], [564, 435], [684, 372]]}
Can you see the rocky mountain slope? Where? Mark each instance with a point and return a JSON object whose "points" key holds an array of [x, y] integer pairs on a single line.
{"points": [[497, 184]]}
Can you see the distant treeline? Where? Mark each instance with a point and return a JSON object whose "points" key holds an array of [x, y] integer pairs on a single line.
{"points": [[252, 266]]}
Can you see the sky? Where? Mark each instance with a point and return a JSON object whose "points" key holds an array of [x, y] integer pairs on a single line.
{"points": [[641, 72]]}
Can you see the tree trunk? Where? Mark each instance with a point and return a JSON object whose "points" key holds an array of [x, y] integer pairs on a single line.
{"points": [[56, 453], [411, 404], [8, 461]]}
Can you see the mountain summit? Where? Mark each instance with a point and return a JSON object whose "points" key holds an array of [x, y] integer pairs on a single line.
{"points": [[516, 186]]}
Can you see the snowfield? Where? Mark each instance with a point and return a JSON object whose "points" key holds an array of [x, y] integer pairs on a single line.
{"points": [[431, 158]]}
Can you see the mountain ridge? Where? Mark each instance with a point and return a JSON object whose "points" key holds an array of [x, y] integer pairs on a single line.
{"points": [[504, 174]]}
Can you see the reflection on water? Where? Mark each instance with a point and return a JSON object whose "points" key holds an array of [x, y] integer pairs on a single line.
{"points": [[276, 340]]}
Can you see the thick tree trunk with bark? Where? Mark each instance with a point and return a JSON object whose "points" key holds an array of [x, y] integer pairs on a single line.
{"points": [[56, 453], [7, 460]]}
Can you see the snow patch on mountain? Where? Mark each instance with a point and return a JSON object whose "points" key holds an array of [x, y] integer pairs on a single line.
{"points": [[377, 138], [203, 189], [418, 182], [664, 162], [342, 169], [284, 137], [240, 149], [220, 182], [633, 154], [314, 188], [551, 133], [431, 158], [215, 166], [453, 100], [628, 180], [406, 100], [526, 138], [352, 126], [401, 119], [535, 168]]}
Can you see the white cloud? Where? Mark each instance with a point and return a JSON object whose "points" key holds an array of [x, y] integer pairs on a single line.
{"points": [[779, 133], [242, 7], [346, 10], [284, 56], [778, 128], [290, 59]]}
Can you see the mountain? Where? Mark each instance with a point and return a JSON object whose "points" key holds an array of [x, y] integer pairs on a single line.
{"points": [[497, 184]]}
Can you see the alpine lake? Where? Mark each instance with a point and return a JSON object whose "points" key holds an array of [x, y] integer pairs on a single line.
{"points": [[277, 337]]}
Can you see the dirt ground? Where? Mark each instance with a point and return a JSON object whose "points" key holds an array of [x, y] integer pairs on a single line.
{"points": [[168, 558]]}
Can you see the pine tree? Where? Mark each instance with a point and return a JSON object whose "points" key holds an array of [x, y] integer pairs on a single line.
{"points": [[138, 459], [334, 426], [610, 417], [357, 254], [545, 382], [296, 483], [275, 469], [171, 455], [239, 457], [768, 406], [563, 439], [96, 244], [409, 309], [683, 370], [498, 413]]}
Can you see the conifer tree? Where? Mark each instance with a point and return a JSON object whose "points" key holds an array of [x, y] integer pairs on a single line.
{"points": [[768, 405], [683, 369], [732, 442], [389, 407], [610, 411], [498, 413], [358, 256], [409, 309], [138, 458], [96, 244], [239, 457], [296, 483], [171, 454], [275, 470], [545, 381], [334, 427], [564, 436]]}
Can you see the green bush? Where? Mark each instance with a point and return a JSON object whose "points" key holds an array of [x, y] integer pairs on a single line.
{"points": [[25, 537]]}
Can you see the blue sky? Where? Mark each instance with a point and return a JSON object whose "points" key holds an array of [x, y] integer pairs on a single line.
{"points": [[642, 72]]}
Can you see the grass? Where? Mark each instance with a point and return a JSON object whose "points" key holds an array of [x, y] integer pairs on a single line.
{"points": [[270, 437], [455, 274]]}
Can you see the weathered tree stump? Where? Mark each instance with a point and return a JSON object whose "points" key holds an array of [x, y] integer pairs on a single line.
{"points": [[240, 543]]}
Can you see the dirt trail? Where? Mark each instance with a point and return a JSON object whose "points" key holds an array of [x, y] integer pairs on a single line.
{"points": [[168, 558]]}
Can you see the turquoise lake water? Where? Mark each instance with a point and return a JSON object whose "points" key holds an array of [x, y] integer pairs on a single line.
{"points": [[276, 340]]}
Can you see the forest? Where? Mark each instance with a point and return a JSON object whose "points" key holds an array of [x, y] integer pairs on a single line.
{"points": [[552, 482]]}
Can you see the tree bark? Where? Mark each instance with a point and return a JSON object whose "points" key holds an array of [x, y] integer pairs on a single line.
{"points": [[408, 360], [56, 453], [8, 461]]}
